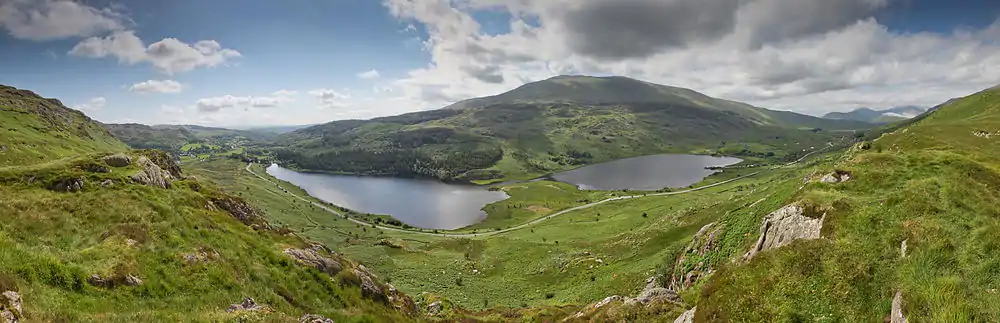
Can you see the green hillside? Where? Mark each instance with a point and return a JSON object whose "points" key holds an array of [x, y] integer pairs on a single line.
{"points": [[37, 130], [92, 232], [173, 138], [553, 125], [917, 218]]}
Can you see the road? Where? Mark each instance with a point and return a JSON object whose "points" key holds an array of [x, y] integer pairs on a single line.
{"points": [[526, 224]]}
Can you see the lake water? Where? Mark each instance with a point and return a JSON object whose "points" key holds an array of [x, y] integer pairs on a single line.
{"points": [[645, 173], [420, 203]]}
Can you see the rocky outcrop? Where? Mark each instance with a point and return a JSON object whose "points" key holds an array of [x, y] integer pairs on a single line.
{"points": [[132, 280], [783, 226], [687, 317], [10, 307], [164, 161], [367, 283], [896, 316], [248, 304], [434, 308], [835, 177], [118, 160], [704, 242], [312, 258], [151, 174], [313, 318], [201, 256], [240, 209], [653, 293], [68, 185], [118, 280]]}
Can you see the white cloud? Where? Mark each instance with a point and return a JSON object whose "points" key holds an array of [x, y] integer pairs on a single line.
{"points": [[155, 86], [285, 93], [168, 55], [56, 19], [331, 98], [369, 75], [828, 55], [95, 104], [214, 104]]}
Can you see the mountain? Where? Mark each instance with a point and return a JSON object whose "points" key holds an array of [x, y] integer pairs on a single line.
{"points": [[36, 130], [882, 116], [553, 125], [173, 138], [95, 232]]}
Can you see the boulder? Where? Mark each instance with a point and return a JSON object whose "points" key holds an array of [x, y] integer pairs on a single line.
{"points": [[896, 316], [10, 307], [434, 308], [607, 300], [703, 243], [132, 280], [368, 286], [68, 185], [312, 258], [118, 160], [313, 318], [97, 280], [151, 174], [248, 304], [835, 177], [107, 183], [687, 317], [239, 209], [902, 249], [783, 226], [653, 293]]}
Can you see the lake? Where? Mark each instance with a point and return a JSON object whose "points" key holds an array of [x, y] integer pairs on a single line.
{"points": [[646, 173], [420, 203]]}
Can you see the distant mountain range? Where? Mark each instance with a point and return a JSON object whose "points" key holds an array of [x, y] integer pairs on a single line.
{"points": [[878, 116]]}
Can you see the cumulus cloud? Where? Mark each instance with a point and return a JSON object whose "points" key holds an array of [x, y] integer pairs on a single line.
{"points": [[95, 104], [369, 75], [169, 55], [806, 56], [155, 86], [56, 19]]}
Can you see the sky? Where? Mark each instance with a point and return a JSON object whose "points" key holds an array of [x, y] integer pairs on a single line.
{"points": [[243, 63]]}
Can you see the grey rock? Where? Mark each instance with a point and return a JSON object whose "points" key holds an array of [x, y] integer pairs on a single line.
{"points": [[607, 300], [10, 306], [107, 183], [704, 242], [68, 185], [248, 304], [658, 294], [434, 308], [312, 258], [902, 249], [830, 178], [783, 226], [368, 286], [132, 280], [97, 280], [118, 160], [313, 318], [687, 316], [896, 316], [151, 174]]}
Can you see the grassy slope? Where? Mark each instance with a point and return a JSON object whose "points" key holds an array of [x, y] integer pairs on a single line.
{"points": [[518, 268], [52, 242], [935, 185], [37, 130]]}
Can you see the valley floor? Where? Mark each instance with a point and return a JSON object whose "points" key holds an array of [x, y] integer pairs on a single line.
{"points": [[580, 256]]}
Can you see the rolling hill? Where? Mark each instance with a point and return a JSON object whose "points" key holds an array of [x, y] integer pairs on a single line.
{"points": [[553, 125], [882, 116], [36, 130], [95, 232]]}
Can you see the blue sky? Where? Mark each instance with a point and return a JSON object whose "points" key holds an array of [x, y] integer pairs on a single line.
{"points": [[224, 62]]}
